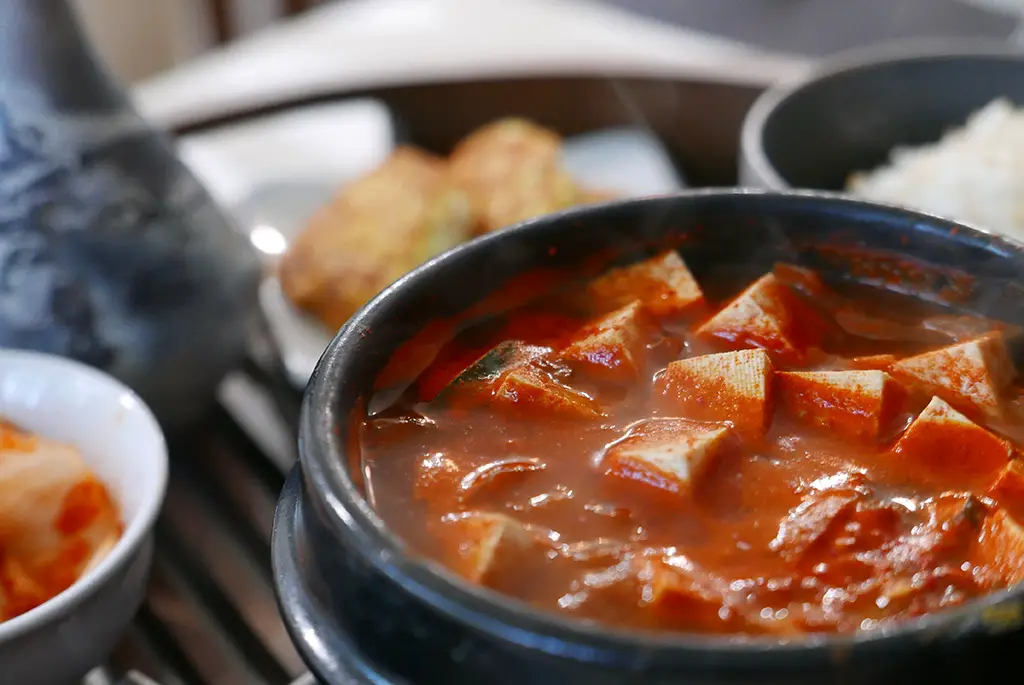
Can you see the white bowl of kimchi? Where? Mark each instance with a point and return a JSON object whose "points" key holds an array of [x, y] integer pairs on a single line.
{"points": [[83, 469]]}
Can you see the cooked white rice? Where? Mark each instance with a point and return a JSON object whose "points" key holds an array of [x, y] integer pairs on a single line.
{"points": [[975, 174]]}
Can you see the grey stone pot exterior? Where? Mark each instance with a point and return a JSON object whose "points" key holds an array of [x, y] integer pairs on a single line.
{"points": [[110, 251]]}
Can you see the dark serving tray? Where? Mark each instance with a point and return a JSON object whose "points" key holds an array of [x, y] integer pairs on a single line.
{"points": [[823, 27], [211, 616]]}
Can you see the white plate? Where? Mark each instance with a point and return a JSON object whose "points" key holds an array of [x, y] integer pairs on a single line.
{"points": [[275, 172], [628, 161]]}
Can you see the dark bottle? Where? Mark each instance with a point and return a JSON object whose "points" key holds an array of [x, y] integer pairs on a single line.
{"points": [[110, 251]]}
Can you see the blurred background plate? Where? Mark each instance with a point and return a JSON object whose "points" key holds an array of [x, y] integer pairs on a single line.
{"points": [[628, 161], [274, 166], [820, 28]]}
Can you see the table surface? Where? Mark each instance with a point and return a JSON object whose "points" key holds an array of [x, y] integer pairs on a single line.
{"points": [[211, 617]]}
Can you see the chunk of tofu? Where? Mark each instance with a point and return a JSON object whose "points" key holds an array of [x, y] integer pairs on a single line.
{"points": [[610, 348], [662, 283], [1001, 546], [728, 386], [512, 171], [682, 589], [490, 542], [767, 315], [858, 404], [951, 450], [1008, 489], [535, 392], [669, 454], [877, 362], [970, 375]]}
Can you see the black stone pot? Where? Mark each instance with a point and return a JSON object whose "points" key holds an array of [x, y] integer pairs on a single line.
{"points": [[362, 609]]}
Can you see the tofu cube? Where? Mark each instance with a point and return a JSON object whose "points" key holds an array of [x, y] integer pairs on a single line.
{"points": [[682, 589], [1008, 489], [535, 392], [767, 315], [490, 542], [669, 454], [1001, 546], [730, 386], [877, 362], [970, 375], [951, 450], [664, 284], [612, 347], [858, 404]]}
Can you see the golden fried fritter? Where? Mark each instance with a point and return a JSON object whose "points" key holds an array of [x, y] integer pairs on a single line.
{"points": [[590, 196], [512, 170], [373, 231]]}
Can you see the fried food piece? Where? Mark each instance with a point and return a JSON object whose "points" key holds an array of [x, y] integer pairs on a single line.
{"points": [[669, 454], [374, 230], [592, 196], [729, 386], [512, 171]]}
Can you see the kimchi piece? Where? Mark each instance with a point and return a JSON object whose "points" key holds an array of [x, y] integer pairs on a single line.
{"points": [[57, 519], [808, 457]]}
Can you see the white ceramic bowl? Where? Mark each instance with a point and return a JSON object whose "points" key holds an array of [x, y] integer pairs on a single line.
{"points": [[59, 641]]}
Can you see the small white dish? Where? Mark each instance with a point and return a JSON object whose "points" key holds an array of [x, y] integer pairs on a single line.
{"points": [[59, 641]]}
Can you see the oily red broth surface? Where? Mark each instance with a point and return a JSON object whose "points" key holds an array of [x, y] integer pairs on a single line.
{"points": [[799, 529]]}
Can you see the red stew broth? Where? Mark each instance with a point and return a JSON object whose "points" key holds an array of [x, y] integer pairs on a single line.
{"points": [[603, 540]]}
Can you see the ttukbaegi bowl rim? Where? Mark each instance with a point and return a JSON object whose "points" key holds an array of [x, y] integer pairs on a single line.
{"points": [[349, 516]]}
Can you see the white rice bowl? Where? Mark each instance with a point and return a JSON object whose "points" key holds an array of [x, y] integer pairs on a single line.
{"points": [[974, 175]]}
